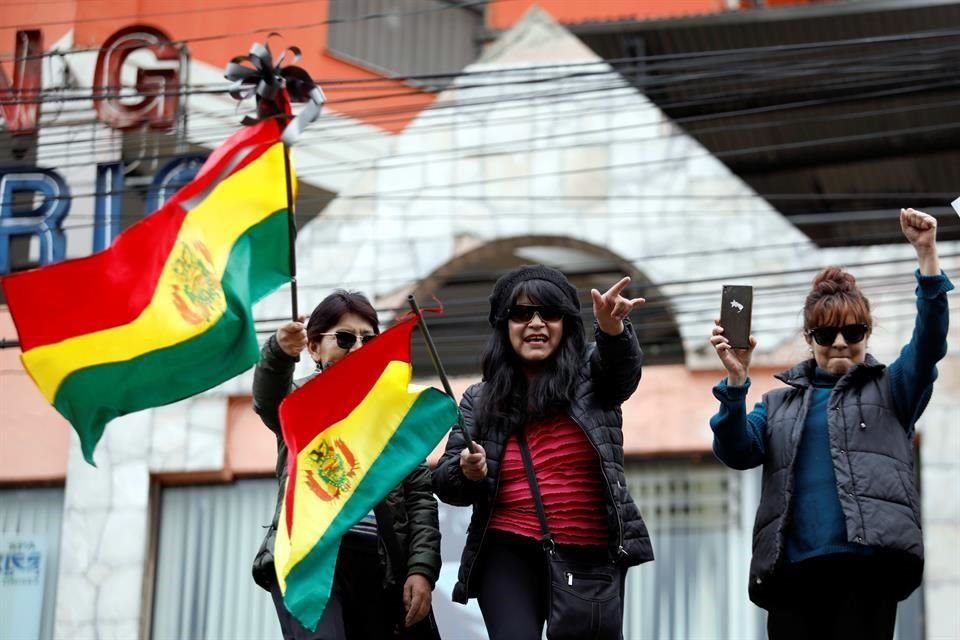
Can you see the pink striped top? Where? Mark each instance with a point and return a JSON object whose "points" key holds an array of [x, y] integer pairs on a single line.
{"points": [[571, 483]]}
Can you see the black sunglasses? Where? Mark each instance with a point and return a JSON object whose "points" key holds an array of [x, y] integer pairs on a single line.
{"points": [[525, 312], [852, 333], [346, 339]]}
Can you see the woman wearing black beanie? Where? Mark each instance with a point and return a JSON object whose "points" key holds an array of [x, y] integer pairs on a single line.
{"points": [[543, 386]]}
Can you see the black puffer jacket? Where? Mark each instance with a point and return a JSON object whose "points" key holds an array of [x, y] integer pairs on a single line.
{"points": [[610, 374], [410, 507]]}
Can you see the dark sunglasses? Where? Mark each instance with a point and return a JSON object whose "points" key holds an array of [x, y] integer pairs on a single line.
{"points": [[346, 340], [852, 333], [525, 312]]}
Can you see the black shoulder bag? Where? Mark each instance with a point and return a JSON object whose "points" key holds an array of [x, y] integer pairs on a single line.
{"points": [[583, 601]]}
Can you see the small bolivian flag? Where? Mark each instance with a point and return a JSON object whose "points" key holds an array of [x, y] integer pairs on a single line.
{"points": [[353, 432], [165, 312]]}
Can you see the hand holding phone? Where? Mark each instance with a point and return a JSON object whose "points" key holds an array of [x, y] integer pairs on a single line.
{"points": [[736, 309]]}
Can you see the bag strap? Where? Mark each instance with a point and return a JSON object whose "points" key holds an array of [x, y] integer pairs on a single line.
{"points": [[547, 539]]}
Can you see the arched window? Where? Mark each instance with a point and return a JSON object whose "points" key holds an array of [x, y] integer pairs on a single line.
{"points": [[463, 286]]}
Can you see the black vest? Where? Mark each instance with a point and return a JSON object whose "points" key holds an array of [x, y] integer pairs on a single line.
{"points": [[873, 462]]}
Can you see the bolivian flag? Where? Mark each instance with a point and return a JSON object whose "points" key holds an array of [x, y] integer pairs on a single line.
{"points": [[353, 432], [164, 313]]}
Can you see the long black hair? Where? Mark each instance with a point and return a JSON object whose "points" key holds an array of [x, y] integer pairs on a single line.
{"points": [[507, 400]]}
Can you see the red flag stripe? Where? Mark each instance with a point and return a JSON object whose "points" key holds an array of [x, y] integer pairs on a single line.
{"points": [[304, 416], [107, 289]]}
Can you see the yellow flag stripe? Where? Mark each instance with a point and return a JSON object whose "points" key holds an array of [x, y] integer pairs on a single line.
{"points": [[238, 203], [365, 433], [281, 546]]}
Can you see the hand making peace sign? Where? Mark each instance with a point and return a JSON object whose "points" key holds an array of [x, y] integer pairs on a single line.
{"points": [[611, 308]]}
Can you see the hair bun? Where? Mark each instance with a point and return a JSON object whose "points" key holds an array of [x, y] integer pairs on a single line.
{"points": [[833, 280], [835, 299]]}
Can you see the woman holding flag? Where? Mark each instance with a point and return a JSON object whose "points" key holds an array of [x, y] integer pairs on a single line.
{"points": [[388, 562], [547, 395]]}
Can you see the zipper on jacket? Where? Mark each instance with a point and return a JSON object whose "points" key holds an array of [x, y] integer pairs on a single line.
{"points": [[621, 552], [795, 446], [570, 576], [846, 456]]}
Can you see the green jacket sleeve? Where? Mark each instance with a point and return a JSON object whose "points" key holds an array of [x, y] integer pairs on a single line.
{"points": [[424, 543], [272, 380]]}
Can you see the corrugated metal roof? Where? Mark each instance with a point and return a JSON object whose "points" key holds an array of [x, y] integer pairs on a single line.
{"points": [[850, 98]]}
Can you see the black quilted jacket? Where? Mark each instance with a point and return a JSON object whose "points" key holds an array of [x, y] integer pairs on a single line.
{"points": [[610, 374]]}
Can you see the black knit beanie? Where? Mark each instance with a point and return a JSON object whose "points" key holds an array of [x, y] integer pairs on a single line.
{"points": [[500, 298]]}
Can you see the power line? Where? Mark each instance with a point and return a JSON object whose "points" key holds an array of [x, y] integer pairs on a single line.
{"points": [[678, 132], [162, 14], [292, 27], [617, 216], [460, 109], [659, 285], [304, 171], [611, 81], [313, 170], [639, 163], [461, 308], [452, 343], [644, 327], [769, 70], [798, 48]]}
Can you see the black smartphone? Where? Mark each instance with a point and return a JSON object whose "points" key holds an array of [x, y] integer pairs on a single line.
{"points": [[736, 307]]}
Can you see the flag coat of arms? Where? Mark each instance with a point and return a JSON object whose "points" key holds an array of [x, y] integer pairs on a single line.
{"points": [[165, 312], [354, 433]]}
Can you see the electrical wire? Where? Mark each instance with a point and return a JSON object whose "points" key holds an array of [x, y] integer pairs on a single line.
{"points": [[722, 54], [459, 106], [9, 56]]}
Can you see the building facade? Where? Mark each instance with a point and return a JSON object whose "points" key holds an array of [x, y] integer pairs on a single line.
{"points": [[532, 148]]}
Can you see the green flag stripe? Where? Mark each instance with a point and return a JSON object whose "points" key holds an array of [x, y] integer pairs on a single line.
{"points": [[310, 580], [91, 397]]}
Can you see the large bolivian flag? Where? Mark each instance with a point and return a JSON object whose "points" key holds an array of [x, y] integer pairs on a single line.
{"points": [[164, 313], [353, 432]]}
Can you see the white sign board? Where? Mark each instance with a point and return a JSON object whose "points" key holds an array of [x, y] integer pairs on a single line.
{"points": [[23, 563]]}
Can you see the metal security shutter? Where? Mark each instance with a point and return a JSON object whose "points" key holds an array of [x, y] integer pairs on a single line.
{"points": [[700, 518], [207, 540], [37, 512], [700, 522], [413, 38]]}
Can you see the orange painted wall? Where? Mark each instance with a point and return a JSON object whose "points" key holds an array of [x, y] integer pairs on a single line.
{"points": [[503, 15], [34, 439], [223, 30], [747, 4], [218, 30], [251, 447], [53, 19]]}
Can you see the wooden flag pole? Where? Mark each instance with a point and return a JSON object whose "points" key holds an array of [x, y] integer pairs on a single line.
{"points": [[438, 365]]}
